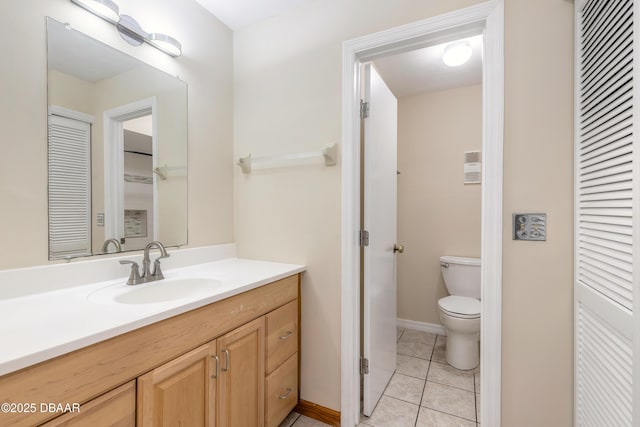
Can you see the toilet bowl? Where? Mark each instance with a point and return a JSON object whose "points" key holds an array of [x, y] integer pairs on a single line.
{"points": [[460, 311]]}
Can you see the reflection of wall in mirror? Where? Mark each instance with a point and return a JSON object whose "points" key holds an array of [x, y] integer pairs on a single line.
{"points": [[138, 189], [171, 127], [207, 66], [94, 98]]}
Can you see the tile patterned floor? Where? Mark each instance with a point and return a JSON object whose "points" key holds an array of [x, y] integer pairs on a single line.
{"points": [[424, 391], [294, 419]]}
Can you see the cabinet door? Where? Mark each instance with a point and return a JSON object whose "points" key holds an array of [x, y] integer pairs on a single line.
{"points": [[116, 408], [241, 380], [180, 392]]}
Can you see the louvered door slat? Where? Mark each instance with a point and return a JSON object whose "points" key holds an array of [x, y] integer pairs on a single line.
{"points": [[69, 188], [608, 92], [597, 31], [604, 371], [615, 126], [595, 16], [606, 191], [606, 51]]}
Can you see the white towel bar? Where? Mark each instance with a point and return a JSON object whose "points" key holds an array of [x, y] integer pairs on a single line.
{"points": [[329, 153]]}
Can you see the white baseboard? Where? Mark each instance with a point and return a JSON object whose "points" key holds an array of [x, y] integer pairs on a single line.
{"points": [[432, 328]]}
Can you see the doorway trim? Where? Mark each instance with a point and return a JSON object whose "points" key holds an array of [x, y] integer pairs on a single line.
{"points": [[113, 140], [489, 18]]}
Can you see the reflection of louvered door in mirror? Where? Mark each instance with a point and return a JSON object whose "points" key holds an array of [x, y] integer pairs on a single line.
{"points": [[69, 183], [606, 249]]}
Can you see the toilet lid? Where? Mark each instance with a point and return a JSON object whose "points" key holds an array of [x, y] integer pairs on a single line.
{"points": [[464, 306]]}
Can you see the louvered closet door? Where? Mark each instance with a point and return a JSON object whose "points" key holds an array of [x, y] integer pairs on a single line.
{"points": [[69, 188], [607, 213]]}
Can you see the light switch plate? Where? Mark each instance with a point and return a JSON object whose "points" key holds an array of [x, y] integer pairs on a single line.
{"points": [[530, 226]]}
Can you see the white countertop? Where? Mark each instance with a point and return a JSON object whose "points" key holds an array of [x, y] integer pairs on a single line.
{"points": [[44, 325]]}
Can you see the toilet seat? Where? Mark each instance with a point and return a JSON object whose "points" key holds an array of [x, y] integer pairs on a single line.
{"points": [[461, 307]]}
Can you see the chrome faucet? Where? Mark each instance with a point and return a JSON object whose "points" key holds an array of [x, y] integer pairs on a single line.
{"points": [[135, 278], [157, 273], [105, 245]]}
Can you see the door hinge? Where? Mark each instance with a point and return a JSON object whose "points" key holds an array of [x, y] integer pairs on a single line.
{"points": [[364, 238], [364, 366], [364, 109]]}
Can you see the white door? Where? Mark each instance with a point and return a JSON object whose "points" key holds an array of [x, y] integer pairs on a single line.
{"points": [[607, 287], [380, 200]]}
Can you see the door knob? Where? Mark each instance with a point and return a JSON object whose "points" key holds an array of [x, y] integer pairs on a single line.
{"points": [[398, 248]]}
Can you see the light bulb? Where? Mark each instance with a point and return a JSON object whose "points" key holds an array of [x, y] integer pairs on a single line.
{"points": [[457, 54]]}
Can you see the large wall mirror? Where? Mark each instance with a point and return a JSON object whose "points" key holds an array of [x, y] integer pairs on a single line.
{"points": [[117, 156]]}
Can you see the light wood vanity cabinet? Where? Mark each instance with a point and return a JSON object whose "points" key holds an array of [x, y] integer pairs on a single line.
{"points": [[282, 362], [232, 363], [223, 382], [241, 379], [181, 392], [116, 408]]}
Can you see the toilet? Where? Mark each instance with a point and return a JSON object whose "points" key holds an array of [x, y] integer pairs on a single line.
{"points": [[460, 311]]}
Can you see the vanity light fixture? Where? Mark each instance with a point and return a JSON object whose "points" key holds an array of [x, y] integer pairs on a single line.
{"points": [[129, 28], [105, 9], [456, 54]]}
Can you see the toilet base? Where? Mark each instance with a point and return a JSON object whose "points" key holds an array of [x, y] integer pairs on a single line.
{"points": [[462, 350]]}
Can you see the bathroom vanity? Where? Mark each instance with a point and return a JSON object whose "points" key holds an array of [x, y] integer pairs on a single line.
{"points": [[227, 358]]}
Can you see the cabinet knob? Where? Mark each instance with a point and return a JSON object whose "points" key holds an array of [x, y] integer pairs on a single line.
{"points": [[398, 248]]}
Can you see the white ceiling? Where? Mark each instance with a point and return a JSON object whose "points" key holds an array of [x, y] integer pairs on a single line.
{"points": [[422, 70], [406, 74], [241, 13]]}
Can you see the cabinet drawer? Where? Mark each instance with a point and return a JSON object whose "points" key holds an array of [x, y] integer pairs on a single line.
{"points": [[282, 391], [282, 334], [115, 408]]}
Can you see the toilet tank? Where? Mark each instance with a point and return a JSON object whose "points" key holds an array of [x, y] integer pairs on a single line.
{"points": [[461, 275]]}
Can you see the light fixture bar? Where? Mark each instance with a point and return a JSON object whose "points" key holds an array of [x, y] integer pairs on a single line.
{"points": [[129, 28], [105, 9]]}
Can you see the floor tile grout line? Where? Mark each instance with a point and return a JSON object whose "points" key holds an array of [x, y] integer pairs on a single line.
{"points": [[475, 397], [296, 420], [449, 385], [446, 413], [400, 400], [423, 389]]}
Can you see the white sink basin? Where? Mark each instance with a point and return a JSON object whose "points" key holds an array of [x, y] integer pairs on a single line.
{"points": [[156, 292]]}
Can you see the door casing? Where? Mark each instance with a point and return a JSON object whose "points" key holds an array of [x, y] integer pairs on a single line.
{"points": [[489, 18]]}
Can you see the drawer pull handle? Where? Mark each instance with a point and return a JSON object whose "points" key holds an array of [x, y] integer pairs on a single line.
{"points": [[226, 360], [217, 359], [287, 335], [284, 396]]}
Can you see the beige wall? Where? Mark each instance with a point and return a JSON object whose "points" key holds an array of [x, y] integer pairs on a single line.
{"points": [[287, 94], [171, 111], [537, 334], [437, 213], [206, 66], [287, 99], [70, 92]]}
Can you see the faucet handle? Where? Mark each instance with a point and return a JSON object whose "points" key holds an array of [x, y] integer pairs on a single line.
{"points": [[134, 276], [157, 271]]}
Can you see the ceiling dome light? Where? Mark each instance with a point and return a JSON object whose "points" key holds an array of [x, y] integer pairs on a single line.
{"points": [[457, 54]]}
